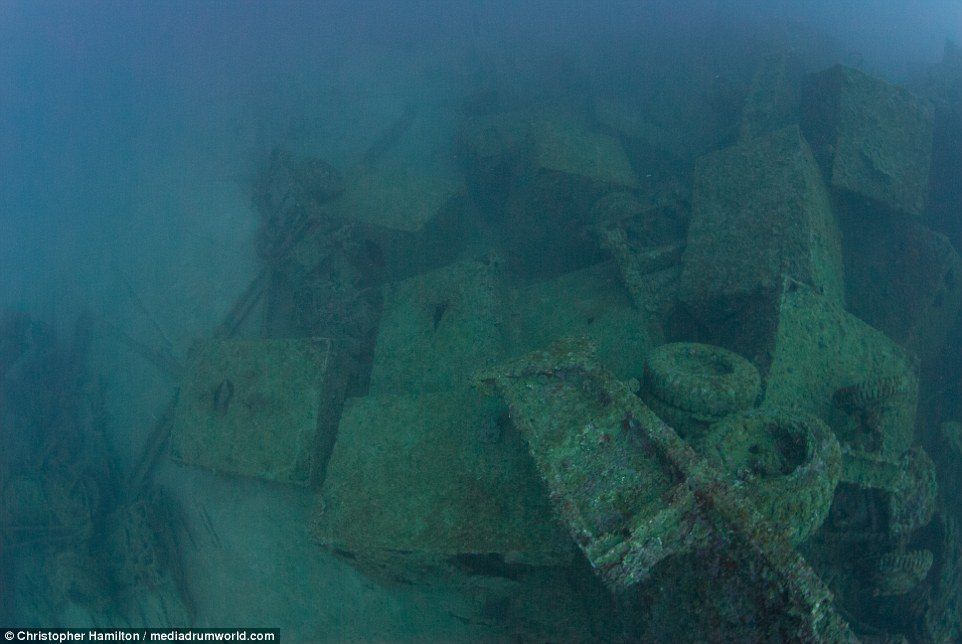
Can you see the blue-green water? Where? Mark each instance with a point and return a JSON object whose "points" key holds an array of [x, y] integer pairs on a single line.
{"points": [[191, 193]]}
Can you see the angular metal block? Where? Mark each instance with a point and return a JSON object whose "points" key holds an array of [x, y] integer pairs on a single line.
{"points": [[760, 210], [256, 408], [589, 301], [438, 328], [434, 483], [773, 97], [871, 138], [819, 348]]}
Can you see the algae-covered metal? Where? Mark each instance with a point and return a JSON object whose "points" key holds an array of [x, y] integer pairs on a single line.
{"points": [[625, 506], [256, 408], [433, 483], [872, 139], [760, 211], [633, 494], [909, 482], [818, 347], [439, 327]]}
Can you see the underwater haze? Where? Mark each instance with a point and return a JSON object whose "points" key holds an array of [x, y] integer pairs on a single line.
{"points": [[483, 320]]}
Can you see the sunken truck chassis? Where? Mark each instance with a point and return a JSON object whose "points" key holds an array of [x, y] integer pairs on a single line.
{"points": [[632, 493]]}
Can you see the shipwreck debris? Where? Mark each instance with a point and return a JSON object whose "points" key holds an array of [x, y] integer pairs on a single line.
{"points": [[632, 493]]}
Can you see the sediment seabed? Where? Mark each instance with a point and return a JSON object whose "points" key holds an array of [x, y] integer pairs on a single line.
{"points": [[545, 370]]}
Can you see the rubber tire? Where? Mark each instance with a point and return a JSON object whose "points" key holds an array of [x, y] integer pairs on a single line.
{"points": [[796, 501], [702, 379], [868, 393]]}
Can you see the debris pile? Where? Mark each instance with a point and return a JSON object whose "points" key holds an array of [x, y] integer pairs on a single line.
{"points": [[760, 424], [603, 380]]}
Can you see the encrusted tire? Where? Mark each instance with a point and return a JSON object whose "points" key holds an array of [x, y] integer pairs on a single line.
{"points": [[787, 462], [684, 423], [702, 379], [899, 572], [881, 414], [870, 392]]}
